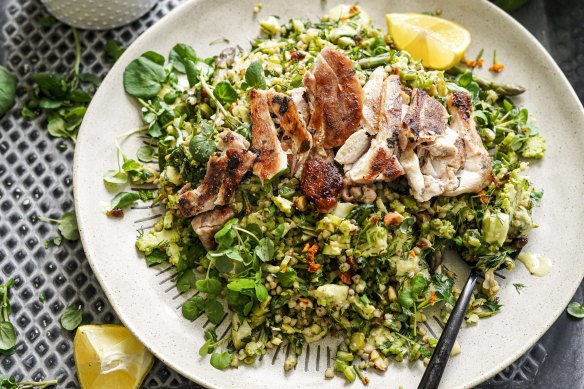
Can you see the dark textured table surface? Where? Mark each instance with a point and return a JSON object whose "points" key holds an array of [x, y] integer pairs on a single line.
{"points": [[36, 179]]}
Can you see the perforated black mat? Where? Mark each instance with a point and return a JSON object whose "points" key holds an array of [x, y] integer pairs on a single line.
{"points": [[35, 179]]}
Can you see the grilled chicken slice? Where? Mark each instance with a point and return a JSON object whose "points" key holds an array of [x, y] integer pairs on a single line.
{"points": [[425, 119], [355, 146], [335, 97], [271, 158], [207, 224], [232, 140], [372, 101], [321, 183], [285, 110], [430, 151], [380, 162], [300, 98], [224, 172], [476, 172]]}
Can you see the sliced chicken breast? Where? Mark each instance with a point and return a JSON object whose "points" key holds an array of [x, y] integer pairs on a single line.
{"points": [[207, 224], [425, 119], [476, 172], [380, 162], [300, 98], [335, 96], [355, 146], [284, 109], [232, 140], [372, 100], [271, 158], [224, 173]]}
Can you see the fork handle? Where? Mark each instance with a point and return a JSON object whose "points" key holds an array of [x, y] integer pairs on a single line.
{"points": [[437, 364]]}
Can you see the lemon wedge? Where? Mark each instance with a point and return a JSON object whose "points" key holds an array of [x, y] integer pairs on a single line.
{"points": [[438, 43], [109, 356]]}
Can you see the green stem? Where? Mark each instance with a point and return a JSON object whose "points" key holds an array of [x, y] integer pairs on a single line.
{"points": [[501, 88], [48, 219], [77, 58], [33, 384], [247, 232], [373, 62]]}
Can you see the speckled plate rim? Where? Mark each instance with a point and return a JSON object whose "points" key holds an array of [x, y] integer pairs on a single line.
{"points": [[83, 200]]}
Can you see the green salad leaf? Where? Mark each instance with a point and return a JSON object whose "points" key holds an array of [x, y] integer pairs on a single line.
{"points": [[71, 317], [7, 90], [143, 77]]}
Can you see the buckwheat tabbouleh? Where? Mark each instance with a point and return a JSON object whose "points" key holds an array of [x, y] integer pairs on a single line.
{"points": [[313, 183]]}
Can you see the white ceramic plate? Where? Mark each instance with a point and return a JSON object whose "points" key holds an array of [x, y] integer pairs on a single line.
{"points": [[145, 299]]}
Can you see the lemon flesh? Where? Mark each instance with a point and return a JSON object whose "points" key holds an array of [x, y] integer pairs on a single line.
{"points": [[109, 356], [438, 43]]}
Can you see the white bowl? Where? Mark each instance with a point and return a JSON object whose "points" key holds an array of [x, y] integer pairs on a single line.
{"points": [[148, 304]]}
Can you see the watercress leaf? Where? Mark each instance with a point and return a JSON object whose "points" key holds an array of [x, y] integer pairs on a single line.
{"points": [[234, 254], [115, 177], [154, 57], [7, 336], [131, 165], [224, 237], [46, 103], [124, 199], [7, 90], [154, 130], [240, 284], [179, 54], [186, 281], [50, 85], [56, 127], [193, 307], [71, 317], [255, 229], [214, 311], [114, 50], [206, 348], [419, 283], [155, 257], [261, 292], [90, 78], [68, 226], [265, 249], [247, 308], [211, 286], [143, 78], [576, 309], [225, 93], [79, 96], [465, 79], [145, 153], [287, 278], [201, 148], [221, 360], [254, 75], [405, 297], [223, 264], [192, 72]]}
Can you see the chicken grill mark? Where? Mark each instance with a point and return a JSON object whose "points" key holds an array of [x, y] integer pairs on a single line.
{"points": [[336, 99], [224, 172], [271, 157]]}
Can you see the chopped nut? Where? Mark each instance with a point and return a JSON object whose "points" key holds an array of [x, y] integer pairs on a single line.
{"points": [[393, 219]]}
